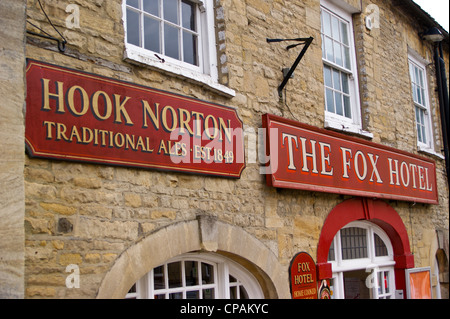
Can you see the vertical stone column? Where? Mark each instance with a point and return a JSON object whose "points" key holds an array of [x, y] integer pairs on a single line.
{"points": [[12, 157]]}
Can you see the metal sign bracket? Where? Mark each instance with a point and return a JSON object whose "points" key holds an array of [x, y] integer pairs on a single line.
{"points": [[288, 74]]}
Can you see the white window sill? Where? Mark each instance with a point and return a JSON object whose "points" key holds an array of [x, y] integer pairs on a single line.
{"points": [[348, 128], [429, 151], [193, 76]]}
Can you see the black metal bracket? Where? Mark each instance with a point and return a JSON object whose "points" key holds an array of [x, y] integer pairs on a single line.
{"points": [[287, 75], [61, 44], [46, 35]]}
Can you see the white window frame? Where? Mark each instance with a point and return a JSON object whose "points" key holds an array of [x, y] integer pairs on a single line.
{"points": [[372, 264], [223, 268], [332, 120], [206, 73], [417, 61]]}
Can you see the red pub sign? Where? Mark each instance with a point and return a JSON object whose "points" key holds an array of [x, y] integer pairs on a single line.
{"points": [[308, 158], [79, 116], [303, 277]]}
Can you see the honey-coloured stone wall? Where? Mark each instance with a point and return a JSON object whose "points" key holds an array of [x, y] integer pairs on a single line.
{"points": [[94, 216]]}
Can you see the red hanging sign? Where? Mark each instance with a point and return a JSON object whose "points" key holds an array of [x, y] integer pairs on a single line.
{"points": [[303, 277], [308, 158], [78, 116]]}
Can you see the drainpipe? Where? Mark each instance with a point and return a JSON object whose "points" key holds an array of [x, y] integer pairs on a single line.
{"points": [[435, 36], [443, 100]]}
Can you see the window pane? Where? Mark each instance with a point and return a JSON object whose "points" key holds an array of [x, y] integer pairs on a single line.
{"points": [[171, 41], [331, 256], [133, 27], [193, 294], [347, 108], [387, 287], [327, 76], [355, 284], [346, 90], [177, 295], [329, 49], [383, 284], [354, 243], [380, 247], [338, 54], [233, 292], [336, 80], [344, 78], [414, 92], [152, 7], [330, 100], [420, 77], [158, 277], [419, 133], [191, 272], [418, 123], [423, 138], [347, 58], [326, 27], [424, 135], [380, 282], [335, 29], [174, 274], [207, 274], [171, 10], [417, 114], [419, 96], [133, 3], [189, 287], [420, 119], [151, 34], [338, 101], [243, 293], [190, 279], [422, 96], [208, 293], [323, 46], [188, 15], [344, 33], [190, 48]]}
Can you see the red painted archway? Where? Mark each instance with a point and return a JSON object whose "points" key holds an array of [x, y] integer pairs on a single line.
{"points": [[377, 212]]}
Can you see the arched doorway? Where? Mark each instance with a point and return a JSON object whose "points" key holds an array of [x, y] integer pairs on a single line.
{"points": [[199, 275], [202, 235], [362, 262], [381, 220]]}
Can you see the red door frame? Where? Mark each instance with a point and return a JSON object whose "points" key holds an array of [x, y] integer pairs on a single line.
{"points": [[377, 212]]}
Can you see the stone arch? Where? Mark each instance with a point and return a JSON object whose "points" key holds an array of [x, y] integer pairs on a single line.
{"points": [[442, 260], [206, 234]]}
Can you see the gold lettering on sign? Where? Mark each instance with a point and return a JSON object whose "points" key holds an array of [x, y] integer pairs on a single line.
{"points": [[102, 106], [191, 122], [78, 102], [305, 278]]}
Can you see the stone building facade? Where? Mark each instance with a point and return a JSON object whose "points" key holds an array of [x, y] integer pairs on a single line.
{"points": [[84, 230]]}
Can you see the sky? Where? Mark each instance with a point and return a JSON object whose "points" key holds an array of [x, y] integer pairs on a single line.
{"points": [[438, 9]]}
